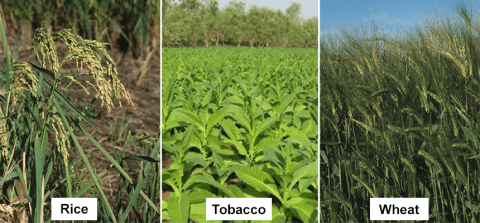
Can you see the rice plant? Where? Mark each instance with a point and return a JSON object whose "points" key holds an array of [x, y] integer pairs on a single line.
{"points": [[39, 129], [400, 117]]}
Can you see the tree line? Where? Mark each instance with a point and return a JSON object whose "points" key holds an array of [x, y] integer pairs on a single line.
{"points": [[202, 23]]}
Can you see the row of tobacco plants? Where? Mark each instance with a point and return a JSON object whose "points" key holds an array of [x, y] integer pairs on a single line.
{"points": [[400, 117], [240, 123], [39, 130]]}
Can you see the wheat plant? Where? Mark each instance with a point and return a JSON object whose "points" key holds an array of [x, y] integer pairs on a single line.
{"points": [[400, 117]]}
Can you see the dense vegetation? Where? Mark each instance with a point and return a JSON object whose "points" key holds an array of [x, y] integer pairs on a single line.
{"points": [[47, 138], [400, 117], [240, 123], [203, 23], [124, 24]]}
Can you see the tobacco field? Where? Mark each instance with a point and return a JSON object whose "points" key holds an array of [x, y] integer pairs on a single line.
{"points": [[400, 117], [239, 123]]}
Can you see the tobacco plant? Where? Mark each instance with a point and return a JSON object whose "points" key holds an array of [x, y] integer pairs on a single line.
{"points": [[240, 123]]}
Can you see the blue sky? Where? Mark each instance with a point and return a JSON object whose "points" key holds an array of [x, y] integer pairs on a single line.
{"points": [[393, 14], [309, 7]]}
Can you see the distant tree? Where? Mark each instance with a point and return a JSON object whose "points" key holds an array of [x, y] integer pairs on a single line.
{"points": [[235, 19], [166, 5], [175, 28], [296, 35], [190, 21], [219, 26], [193, 17], [294, 12], [253, 24], [210, 21], [284, 29], [310, 34]]}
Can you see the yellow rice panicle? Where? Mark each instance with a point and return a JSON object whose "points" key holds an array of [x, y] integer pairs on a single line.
{"points": [[47, 48], [3, 137]]}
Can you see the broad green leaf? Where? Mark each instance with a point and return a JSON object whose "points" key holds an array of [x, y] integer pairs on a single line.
{"points": [[258, 179], [168, 147], [304, 209], [178, 207], [218, 160], [216, 144], [203, 115], [242, 84], [207, 98], [238, 145], [200, 193], [306, 182], [198, 214], [271, 155], [233, 100], [221, 149], [216, 117], [310, 128], [193, 158], [194, 142], [306, 171], [235, 190], [267, 143], [173, 120], [165, 215], [284, 103], [253, 91], [230, 128], [279, 219], [297, 136], [264, 125], [275, 212], [164, 204], [206, 178], [191, 116], [239, 115]]}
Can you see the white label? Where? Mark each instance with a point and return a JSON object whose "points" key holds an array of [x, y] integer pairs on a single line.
{"points": [[74, 209], [239, 209], [399, 209]]}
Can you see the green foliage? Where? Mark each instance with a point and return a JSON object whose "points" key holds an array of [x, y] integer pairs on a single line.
{"points": [[240, 123], [190, 21], [400, 118], [34, 112], [137, 22]]}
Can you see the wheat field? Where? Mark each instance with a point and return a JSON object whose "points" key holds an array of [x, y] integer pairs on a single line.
{"points": [[400, 117]]}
